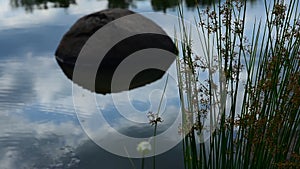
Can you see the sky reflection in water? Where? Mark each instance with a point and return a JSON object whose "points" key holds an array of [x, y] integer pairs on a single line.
{"points": [[38, 123]]}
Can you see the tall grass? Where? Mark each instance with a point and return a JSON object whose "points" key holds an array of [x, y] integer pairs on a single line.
{"points": [[251, 95]]}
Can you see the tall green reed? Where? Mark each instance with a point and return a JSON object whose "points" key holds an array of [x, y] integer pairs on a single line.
{"points": [[253, 106]]}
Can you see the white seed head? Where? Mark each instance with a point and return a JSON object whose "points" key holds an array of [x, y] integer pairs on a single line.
{"points": [[144, 147]]}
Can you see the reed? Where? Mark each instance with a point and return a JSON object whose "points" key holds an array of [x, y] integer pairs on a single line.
{"points": [[251, 95]]}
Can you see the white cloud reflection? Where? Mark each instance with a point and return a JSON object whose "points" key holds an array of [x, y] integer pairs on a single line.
{"points": [[35, 85], [32, 90], [19, 18]]}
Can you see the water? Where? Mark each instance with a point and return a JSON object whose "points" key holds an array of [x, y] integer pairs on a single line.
{"points": [[39, 125]]}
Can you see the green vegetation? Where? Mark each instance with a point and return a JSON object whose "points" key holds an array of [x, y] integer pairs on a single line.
{"points": [[250, 101]]}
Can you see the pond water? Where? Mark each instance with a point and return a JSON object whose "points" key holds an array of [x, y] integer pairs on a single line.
{"points": [[38, 121]]}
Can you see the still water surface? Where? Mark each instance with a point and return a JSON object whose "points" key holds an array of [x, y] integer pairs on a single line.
{"points": [[39, 126]]}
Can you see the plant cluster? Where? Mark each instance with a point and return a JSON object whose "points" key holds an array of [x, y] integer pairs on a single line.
{"points": [[249, 102]]}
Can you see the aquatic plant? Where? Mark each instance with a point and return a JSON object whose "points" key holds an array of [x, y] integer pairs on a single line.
{"points": [[251, 95]]}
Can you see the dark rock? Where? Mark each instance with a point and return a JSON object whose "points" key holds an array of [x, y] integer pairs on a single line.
{"points": [[72, 42], [75, 39]]}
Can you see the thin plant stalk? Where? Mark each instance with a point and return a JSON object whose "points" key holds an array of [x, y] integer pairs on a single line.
{"points": [[258, 116]]}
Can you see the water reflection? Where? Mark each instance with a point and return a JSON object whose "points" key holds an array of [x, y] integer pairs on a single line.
{"points": [[90, 155], [119, 3], [38, 124], [39, 128], [193, 3], [157, 5], [30, 5]]}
